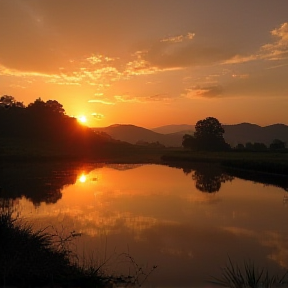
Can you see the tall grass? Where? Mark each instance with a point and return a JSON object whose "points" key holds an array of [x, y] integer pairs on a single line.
{"points": [[248, 277], [31, 258], [28, 257]]}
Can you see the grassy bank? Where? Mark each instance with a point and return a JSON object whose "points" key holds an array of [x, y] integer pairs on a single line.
{"points": [[38, 259], [25, 150], [266, 162], [121, 152]]}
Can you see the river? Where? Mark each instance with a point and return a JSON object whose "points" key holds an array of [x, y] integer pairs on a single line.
{"points": [[132, 218]]}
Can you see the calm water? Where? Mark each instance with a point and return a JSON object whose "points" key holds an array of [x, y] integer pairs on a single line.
{"points": [[185, 221]]}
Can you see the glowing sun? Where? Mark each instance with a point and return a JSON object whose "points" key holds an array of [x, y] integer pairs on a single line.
{"points": [[83, 178], [82, 119]]}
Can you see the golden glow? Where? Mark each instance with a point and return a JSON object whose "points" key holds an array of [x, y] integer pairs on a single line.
{"points": [[83, 178], [82, 119]]}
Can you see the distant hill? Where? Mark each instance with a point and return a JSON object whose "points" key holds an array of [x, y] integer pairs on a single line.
{"points": [[171, 135], [168, 129], [246, 132], [133, 134]]}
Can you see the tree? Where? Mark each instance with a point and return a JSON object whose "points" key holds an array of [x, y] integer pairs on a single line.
{"points": [[51, 106], [240, 146], [209, 127], [55, 106], [277, 145], [259, 146], [37, 105], [209, 135], [189, 142], [8, 101]]}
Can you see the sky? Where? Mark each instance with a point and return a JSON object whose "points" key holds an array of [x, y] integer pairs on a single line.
{"points": [[149, 62]]}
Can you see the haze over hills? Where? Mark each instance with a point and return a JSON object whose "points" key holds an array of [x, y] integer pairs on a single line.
{"points": [[168, 129], [171, 135], [133, 134]]}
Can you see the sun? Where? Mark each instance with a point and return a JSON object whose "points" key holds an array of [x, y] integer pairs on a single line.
{"points": [[82, 119], [82, 178]]}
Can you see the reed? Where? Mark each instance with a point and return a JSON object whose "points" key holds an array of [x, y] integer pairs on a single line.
{"points": [[249, 276]]}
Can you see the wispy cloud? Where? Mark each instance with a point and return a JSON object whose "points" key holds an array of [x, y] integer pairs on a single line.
{"points": [[198, 91], [277, 50], [143, 99], [98, 116], [179, 38], [105, 102], [240, 76], [99, 98]]}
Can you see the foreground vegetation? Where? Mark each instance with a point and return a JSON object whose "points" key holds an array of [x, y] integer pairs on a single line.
{"points": [[30, 258], [39, 259], [249, 276]]}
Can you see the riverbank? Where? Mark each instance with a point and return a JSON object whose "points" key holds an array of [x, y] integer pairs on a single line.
{"points": [[121, 152], [265, 162]]}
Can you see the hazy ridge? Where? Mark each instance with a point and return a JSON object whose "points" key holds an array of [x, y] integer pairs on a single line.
{"points": [[171, 135]]}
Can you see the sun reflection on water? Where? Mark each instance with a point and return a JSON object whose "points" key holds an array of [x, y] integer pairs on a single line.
{"points": [[82, 178]]}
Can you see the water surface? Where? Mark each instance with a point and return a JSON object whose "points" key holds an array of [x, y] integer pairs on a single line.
{"points": [[185, 221]]}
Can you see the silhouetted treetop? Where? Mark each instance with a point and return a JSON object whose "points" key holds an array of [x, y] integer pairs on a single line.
{"points": [[7, 101], [209, 127], [277, 145], [208, 136], [51, 106]]}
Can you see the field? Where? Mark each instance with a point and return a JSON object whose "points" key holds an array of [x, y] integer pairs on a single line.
{"points": [[121, 152], [268, 162]]}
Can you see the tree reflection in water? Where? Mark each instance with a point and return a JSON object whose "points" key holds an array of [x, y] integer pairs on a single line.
{"points": [[208, 177], [38, 182]]}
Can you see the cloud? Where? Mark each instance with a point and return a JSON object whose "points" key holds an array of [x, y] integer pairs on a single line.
{"points": [[237, 59], [100, 99], [279, 49], [279, 245], [139, 66], [126, 98], [98, 116], [179, 38], [93, 71], [240, 76], [204, 91], [143, 99], [105, 102]]}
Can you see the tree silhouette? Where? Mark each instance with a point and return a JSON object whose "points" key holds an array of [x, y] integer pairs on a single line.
{"points": [[189, 142], [208, 178], [7, 101], [208, 136], [277, 145]]}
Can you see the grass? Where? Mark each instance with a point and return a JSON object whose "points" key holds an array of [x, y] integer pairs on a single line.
{"points": [[266, 162], [248, 277], [119, 152], [35, 259], [116, 152]]}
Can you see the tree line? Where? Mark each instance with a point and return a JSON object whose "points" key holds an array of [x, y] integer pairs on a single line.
{"points": [[208, 136], [45, 124]]}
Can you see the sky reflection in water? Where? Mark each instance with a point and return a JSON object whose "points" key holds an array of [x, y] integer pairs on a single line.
{"points": [[157, 214]]}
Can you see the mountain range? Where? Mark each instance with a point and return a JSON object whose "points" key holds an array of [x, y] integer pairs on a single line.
{"points": [[171, 135]]}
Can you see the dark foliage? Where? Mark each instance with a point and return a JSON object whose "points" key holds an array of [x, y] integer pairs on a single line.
{"points": [[248, 276], [38, 259], [45, 126], [28, 258], [277, 145], [208, 136]]}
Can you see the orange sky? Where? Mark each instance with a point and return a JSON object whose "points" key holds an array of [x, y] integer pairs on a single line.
{"points": [[147, 62]]}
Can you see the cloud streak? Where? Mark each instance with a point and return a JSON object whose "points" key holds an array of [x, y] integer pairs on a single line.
{"points": [[203, 91]]}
